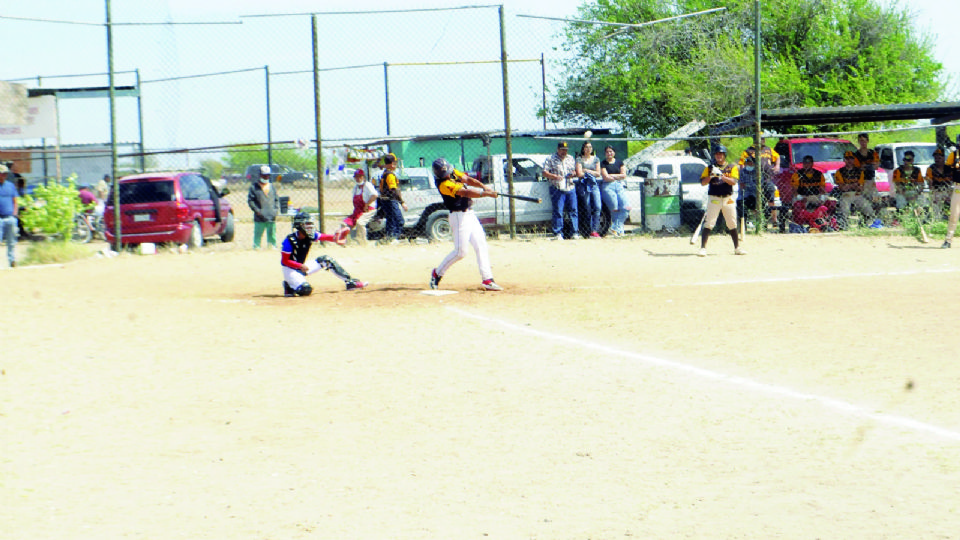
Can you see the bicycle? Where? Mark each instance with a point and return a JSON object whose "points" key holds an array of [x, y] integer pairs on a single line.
{"points": [[86, 226]]}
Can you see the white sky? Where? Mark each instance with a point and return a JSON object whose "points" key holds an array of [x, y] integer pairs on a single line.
{"points": [[220, 110]]}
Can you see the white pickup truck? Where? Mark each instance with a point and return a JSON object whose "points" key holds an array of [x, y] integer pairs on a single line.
{"points": [[427, 217]]}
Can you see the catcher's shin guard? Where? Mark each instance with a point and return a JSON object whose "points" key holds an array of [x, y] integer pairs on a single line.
{"points": [[327, 263]]}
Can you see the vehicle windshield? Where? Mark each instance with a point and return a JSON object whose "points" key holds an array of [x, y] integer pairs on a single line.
{"points": [[416, 179], [690, 173], [147, 192], [922, 155], [821, 151]]}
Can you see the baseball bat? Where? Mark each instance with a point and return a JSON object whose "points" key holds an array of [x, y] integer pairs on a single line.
{"points": [[923, 232], [696, 233], [520, 197]]}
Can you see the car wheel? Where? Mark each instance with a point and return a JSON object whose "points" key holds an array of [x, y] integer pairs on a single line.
{"points": [[228, 231], [438, 226], [81, 230], [196, 236]]}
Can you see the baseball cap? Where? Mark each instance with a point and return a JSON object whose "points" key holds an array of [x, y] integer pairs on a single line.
{"points": [[562, 144], [264, 170], [390, 158], [358, 172], [938, 151], [848, 154]]}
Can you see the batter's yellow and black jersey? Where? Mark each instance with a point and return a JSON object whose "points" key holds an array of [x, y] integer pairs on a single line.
{"points": [[449, 188], [808, 183], [848, 175], [901, 177], [940, 179], [952, 159], [868, 163], [389, 187], [720, 188]]}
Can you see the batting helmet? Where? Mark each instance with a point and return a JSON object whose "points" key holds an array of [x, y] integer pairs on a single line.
{"points": [[303, 222], [442, 168], [719, 149]]}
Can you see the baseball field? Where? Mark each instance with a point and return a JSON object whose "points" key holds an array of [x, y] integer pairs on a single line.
{"points": [[621, 388]]}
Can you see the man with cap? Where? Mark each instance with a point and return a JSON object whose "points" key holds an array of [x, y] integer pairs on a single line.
{"points": [[8, 215], [721, 177], [265, 203], [849, 179], [561, 170], [940, 179]]}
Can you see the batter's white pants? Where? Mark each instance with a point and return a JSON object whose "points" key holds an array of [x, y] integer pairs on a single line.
{"points": [[725, 205], [954, 212], [467, 230]]}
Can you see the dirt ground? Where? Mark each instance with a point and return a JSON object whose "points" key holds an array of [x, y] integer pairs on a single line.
{"points": [[621, 388]]}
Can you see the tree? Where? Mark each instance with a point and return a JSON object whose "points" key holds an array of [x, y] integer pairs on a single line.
{"points": [[814, 53]]}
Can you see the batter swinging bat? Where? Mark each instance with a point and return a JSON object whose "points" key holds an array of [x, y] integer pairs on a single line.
{"points": [[696, 233], [520, 197], [923, 232]]}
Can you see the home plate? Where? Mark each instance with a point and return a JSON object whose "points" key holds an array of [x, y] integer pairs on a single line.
{"points": [[438, 293]]}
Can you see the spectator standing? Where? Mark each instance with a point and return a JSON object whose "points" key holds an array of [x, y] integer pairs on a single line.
{"points": [[561, 169], [612, 173], [265, 203], [849, 179], [907, 183], [103, 187], [747, 194], [940, 179], [588, 185], [391, 199], [8, 215], [364, 209], [867, 161], [721, 177]]}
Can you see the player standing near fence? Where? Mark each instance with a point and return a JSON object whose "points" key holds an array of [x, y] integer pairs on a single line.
{"points": [[954, 206], [293, 259], [391, 199], [721, 177], [458, 191]]}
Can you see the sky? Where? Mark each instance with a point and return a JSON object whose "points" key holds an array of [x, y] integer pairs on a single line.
{"points": [[208, 111]]}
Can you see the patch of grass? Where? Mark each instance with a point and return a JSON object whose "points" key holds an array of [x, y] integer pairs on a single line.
{"points": [[54, 252]]}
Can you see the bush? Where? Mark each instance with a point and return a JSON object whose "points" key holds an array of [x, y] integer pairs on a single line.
{"points": [[52, 208]]}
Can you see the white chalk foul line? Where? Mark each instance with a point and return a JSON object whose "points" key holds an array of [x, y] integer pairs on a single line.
{"points": [[813, 278], [743, 382]]}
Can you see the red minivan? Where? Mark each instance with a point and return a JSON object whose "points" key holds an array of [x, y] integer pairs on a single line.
{"points": [[176, 207]]}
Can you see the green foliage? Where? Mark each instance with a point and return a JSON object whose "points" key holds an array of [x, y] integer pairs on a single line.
{"points": [[211, 168], [52, 208], [814, 53], [239, 158]]}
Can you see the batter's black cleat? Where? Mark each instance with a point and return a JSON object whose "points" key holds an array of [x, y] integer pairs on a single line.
{"points": [[288, 290], [434, 279], [356, 285], [946, 245]]}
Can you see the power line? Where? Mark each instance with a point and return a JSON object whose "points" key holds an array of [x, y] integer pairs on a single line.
{"points": [[369, 12], [85, 23]]}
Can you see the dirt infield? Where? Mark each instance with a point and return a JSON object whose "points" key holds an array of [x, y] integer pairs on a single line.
{"points": [[615, 389]]}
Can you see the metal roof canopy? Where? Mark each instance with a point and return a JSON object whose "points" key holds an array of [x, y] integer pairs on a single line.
{"points": [[937, 113], [90, 92]]}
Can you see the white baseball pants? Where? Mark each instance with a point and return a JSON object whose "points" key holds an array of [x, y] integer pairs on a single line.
{"points": [[467, 230]]}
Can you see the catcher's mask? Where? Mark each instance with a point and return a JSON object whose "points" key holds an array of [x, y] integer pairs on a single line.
{"points": [[302, 222]]}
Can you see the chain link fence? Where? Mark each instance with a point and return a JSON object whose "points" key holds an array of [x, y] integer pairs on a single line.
{"points": [[440, 94]]}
